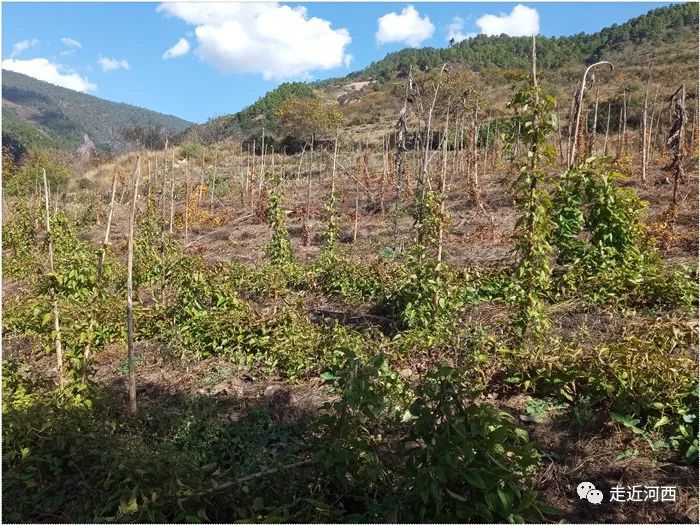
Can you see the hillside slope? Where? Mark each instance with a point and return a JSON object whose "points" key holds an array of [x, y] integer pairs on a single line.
{"points": [[664, 25], [36, 113], [666, 37]]}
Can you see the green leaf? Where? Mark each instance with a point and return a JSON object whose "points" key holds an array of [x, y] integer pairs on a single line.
{"points": [[128, 507], [328, 376], [661, 422], [474, 478], [629, 453], [458, 497], [408, 416]]}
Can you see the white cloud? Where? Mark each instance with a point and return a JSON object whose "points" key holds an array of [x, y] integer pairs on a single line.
{"points": [[522, 21], [112, 64], [23, 45], [182, 47], [455, 30], [408, 27], [70, 42], [277, 41], [50, 72]]}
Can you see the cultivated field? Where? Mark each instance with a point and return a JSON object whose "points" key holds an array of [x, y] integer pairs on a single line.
{"points": [[379, 327]]}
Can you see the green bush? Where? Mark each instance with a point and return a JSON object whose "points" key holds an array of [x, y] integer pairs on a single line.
{"points": [[191, 150], [472, 462], [649, 377], [433, 453], [29, 176]]}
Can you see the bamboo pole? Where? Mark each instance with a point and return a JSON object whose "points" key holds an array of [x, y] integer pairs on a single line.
{"points": [[624, 122], [130, 294], [607, 131], [262, 166], [251, 178], [650, 132], [213, 181], [307, 212], [385, 172], [201, 180], [357, 212], [561, 152], [187, 202], [100, 268], [335, 159], [579, 106], [644, 128], [105, 242], [443, 185], [148, 172], [595, 120], [570, 127], [54, 296], [161, 194], [172, 202]]}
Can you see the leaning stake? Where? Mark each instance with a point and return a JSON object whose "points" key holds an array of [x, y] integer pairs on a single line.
{"points": [[56, 320]]}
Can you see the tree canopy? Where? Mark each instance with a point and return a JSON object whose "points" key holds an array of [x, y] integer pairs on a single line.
{"points": [[308, 118]]}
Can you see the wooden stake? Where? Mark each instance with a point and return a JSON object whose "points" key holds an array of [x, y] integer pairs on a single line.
{"points": [[624, 122], [262, 166], [561, 149], [644, 128], [443, 184], [607, 130], [385, 171], [130, 294], [595, 120], [307, 213], [54, 295], [172, 202], [187, 201], [105, 242], [148, 171], [357, 212], [213, 181], [579, 106]]}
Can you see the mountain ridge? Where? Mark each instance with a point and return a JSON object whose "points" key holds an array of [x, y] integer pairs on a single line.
{"points": [[38, 113]]}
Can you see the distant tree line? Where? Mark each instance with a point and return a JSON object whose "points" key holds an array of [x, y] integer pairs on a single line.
{"points": [[666, 24]]}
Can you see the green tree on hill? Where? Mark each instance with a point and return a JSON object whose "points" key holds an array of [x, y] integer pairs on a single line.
{"points": [[308, 118]]}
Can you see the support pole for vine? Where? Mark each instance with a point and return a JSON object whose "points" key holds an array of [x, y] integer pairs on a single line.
{"points": [[572, 157], [130, 293], [54, 296]]}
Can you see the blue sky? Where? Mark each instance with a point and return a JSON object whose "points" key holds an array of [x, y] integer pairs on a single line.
{"points": [[235, 53]]}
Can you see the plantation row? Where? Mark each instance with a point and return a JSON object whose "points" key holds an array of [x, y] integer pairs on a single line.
{"points": [[386, 445]]}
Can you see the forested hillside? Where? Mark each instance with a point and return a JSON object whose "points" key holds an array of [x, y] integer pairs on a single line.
{"points": [[36, 113], [661, 26], [665, 37]]}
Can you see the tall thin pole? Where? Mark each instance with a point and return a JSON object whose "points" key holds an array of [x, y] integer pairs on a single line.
{"points": [[105, 243], [607, 130], [572, 158], [644, 127], [595, 120], [187, 201], [130, 293], [54, 296]]}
